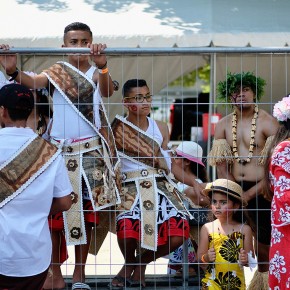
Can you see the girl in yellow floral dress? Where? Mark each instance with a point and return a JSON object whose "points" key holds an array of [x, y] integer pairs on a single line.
{"points": [[226, 244]]}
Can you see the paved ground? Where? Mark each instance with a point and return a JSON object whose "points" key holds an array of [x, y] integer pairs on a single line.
{"points": [[101, 268]]}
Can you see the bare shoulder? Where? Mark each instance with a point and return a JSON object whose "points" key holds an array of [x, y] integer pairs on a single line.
{"points": [[247, 230], [269, 123], [221, 126], [226, 119], [206, 227], [266, 116]]}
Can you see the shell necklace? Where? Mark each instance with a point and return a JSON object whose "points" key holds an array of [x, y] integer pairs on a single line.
{"points": [[252, 141]]}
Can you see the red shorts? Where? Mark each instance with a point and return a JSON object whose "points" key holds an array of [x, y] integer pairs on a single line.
{"points": [[174, 227], [56, 221], [56, 224]]}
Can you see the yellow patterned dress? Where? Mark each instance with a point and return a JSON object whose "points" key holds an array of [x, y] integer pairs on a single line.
{"points": [[225, 273]]}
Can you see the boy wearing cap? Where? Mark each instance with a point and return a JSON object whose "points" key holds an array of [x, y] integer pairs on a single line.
{"points": [[152, 214], [239, 149], [33, 185], [80, 127]]}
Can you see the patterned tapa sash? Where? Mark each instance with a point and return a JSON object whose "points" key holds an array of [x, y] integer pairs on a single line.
{"points": [[135, 145], [24, 167], [78, 90]]}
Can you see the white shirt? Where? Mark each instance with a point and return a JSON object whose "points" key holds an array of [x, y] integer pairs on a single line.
{"points": [[25, 243], [67, 124], [3, 80]]}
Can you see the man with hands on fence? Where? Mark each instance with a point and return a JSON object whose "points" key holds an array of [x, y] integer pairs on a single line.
{"points": [[80, 127]]}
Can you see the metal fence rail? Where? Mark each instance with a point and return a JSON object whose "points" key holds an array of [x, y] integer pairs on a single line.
{"points": [[160, 66]]}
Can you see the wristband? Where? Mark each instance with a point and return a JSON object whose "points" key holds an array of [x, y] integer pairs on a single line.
{"points": [[103, 71], [13, 75], [203, 259], [103, 66]]}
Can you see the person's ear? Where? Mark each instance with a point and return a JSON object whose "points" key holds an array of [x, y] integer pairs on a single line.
{"points": [[125, 103], [3, 113]]}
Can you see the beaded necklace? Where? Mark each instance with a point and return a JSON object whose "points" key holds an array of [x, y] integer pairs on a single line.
{"points": [[252, 141]]}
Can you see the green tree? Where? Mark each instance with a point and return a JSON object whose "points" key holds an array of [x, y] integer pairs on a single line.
{"points": [[189, 80]]}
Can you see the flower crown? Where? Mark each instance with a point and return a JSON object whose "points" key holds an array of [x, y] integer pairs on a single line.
{"points": [[281, 109]]}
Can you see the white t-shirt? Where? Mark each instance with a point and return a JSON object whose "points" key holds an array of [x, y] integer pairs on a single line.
{"points": [[3, 80], [67, 124], [25, 243]]}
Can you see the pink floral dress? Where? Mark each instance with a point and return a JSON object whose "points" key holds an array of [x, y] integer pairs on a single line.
{"points": [[279, 268]]}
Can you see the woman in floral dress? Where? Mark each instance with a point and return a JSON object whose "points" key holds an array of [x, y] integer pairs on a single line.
{"points": [[279, 191]]}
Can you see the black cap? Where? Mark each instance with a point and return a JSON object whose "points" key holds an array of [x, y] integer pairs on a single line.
{"points": [[16, 96]]}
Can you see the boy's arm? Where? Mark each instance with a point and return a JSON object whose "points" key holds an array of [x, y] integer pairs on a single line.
{"points": [[103, 77], [223, 168], [60, 204], [9, 62], [254, 191], [164, 132], [180, 175]]}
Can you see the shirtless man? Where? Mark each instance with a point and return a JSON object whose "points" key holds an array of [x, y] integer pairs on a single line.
{"points": [[240, 140]]}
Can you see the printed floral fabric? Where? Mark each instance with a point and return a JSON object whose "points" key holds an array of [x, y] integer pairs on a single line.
{"points": [[176, 258], [279, 268], [225, 273], [170, 222]]}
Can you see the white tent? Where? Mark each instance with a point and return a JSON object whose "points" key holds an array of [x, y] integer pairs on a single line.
{"points": [[158, 23], [155, 23]]}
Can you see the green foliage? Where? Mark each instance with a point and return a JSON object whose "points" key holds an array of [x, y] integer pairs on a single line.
{"points": [[189, 80]]}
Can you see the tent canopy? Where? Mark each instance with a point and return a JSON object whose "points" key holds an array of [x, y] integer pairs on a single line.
{"points": [[151, 23]]}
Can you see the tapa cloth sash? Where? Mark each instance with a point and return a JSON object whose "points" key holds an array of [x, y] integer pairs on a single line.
{"points": [[136, 145], [78, 90], [24, 167]]}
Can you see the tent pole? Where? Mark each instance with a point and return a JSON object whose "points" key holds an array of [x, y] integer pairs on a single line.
{"points": [[211, 108]]}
